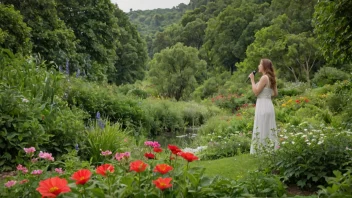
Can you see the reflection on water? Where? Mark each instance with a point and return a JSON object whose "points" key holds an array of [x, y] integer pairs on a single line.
{"points": [[182, 139]]}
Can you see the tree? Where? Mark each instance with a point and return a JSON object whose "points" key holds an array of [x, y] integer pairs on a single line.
{"points": [[50, 36], [333, 25], [131, 52], [177, 71], [228, 36], [14, 33], [96, 27]]}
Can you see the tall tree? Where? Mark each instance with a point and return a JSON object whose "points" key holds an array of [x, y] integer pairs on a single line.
{"points": [[177, 71], [50, 36], [96, 27], [131, 52], [228, 36], [333, 25], [14, 33]]}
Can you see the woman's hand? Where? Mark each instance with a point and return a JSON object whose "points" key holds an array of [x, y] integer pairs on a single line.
{"points": [[251, 76]]}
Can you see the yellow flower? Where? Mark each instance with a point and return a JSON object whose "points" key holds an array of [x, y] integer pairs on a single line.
{"points": [[284, 105]]}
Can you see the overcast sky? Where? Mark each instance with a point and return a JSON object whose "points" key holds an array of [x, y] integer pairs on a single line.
{"points": [[125, 5]]}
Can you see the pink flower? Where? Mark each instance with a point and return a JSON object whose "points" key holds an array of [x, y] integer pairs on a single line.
{"points": [[22, 168], [106, 153], [24, 181], [59, 170], [152, 144], [47, 156], [37, 172], [10, 183], [120, 156], [34, 160], [30, 150]]}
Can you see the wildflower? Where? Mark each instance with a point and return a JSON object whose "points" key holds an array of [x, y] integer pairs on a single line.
{"points": [[157, 150], [149, 155], [138, 166], [106, 153], [103, 169], [81, 176], [30, 150], [24, 181], [47, 156], [174, 149], [190, 157], [59, 170], [10, 183], [37, 172], [162, 168], [22, 168], [52, 187], [163, 183], [120, 156], [25, 100], [154, 144]]}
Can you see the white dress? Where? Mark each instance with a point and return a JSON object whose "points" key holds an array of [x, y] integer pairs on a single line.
{"points": [[264, 129]]}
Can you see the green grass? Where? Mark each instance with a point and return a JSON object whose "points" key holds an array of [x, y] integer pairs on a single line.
{"points": [[232, 167]]}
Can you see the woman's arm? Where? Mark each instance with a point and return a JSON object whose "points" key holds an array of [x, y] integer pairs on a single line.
{"points": [[261, 84], [275, 92]]}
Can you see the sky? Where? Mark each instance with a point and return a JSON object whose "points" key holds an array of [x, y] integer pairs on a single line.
{"points": [[125, 5]]}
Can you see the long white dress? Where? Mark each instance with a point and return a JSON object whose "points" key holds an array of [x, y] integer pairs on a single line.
{"points": [[264, 129]]}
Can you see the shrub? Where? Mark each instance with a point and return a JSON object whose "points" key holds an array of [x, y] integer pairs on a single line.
{"points": [[307, 155], [329, 75], [338, 186]]}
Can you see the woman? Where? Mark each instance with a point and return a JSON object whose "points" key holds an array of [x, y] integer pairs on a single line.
{"points": [[264, 129]]}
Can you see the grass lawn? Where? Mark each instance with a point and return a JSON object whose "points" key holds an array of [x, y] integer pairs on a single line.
{"points": [[238, 166], [232, 167]]}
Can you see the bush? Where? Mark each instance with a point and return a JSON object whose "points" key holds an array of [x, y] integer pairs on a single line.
{"points": [[105, 136], [329, 75], [307, 155], [338, 186]]}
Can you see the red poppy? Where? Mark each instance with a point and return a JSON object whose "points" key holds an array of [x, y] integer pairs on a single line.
{"points": [[104, 168], [190, 157], [162, 168], [149, 155], [82, 176], [52, 187], [163, 183], [138, 166], [174, 149], [157, 149]]}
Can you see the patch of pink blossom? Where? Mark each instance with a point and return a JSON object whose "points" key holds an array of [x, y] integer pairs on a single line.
{"points": [[106, 153], [29, 150], [10, 183], [37, 172], [154, 144], [22, 168], [59, 170], [45, 155], [120, 156]]}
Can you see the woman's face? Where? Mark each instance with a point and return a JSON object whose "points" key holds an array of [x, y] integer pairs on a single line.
{"points": [[260, 67]]}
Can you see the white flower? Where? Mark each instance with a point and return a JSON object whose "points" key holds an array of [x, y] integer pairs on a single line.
{"points": [[25, 100], [293, 142], [320, 142], [308, 143], [305, 130]]}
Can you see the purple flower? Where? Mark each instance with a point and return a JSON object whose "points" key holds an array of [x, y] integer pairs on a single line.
{"points": [[98, 116], [67, 67]]}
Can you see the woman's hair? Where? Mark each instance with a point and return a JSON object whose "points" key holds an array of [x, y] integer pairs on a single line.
{"points": [[269, 70]]}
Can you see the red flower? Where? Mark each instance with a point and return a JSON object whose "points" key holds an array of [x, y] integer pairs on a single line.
{"points": [[190, 157], [163, 183], [52, 187], [157, 149], [306, 100], [138, 166], [104, 168], [174, 149], [149, 155], [82, 176], [298, 101], [162, 168]]}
